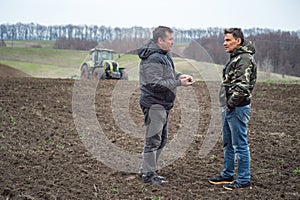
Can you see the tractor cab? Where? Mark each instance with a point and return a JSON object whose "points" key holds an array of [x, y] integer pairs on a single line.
{"points": [[99, 55]]}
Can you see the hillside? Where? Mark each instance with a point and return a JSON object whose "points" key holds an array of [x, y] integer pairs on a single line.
{"points": [[54, 63], [43, 62], [7, 71]]}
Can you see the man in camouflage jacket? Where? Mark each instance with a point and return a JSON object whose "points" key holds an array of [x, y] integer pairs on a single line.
{"points": [[239, 77]]}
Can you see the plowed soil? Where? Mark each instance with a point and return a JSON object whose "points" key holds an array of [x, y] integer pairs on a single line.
{"points": [[42, 155]]}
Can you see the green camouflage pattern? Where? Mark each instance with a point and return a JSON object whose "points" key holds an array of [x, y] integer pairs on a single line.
{"points": [[239, 76]]}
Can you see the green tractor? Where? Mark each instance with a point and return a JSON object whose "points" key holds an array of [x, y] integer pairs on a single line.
{"points": [[101, 65]]}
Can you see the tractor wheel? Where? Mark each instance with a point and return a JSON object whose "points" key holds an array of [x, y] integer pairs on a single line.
{"points": [[84, 72], [124, 76], [98, 74]]}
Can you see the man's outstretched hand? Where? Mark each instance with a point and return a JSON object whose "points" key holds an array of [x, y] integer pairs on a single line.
{"points": [[186, 80]]}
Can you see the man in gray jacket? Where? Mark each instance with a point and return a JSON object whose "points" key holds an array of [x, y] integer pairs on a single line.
{"points": [[158, 83]]}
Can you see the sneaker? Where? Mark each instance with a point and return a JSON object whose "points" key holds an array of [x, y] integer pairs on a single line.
{"points": [[153, 179], [218, 180], [236, 185], [142, 174], [157, 180], [161, 177], [149, 173]]}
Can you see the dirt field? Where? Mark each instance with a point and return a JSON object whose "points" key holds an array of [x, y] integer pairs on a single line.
{"points": [[43, 156]]}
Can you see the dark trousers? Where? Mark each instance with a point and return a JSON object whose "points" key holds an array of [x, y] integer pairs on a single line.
{"points": [[156, 122]]}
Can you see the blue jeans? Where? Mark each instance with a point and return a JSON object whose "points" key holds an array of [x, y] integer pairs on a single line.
{"points": [[235, 143]]}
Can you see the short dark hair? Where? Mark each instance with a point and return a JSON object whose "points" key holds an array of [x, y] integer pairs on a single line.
{"points": [[160, 32], [236, 33]]}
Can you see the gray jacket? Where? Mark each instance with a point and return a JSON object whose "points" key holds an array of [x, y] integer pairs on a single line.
{"points": [[158, 78]]}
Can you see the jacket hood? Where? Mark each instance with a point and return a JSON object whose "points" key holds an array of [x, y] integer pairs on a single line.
{"points": [[247, 47], [148, 49]]}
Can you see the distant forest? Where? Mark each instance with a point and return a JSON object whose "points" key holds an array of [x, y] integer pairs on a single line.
{"points": [[277, 51]]}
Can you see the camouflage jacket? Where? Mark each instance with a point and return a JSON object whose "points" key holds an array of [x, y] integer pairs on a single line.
{"points": [[239, 77]]}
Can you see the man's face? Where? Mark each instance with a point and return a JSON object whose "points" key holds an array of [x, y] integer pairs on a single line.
{"points": [[230, 43], [166, 43]]}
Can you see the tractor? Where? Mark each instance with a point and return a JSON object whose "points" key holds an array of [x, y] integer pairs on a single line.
{"points": [[101, 65]]}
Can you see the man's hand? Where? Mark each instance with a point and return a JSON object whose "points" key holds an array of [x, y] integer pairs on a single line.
{"points": [[185, 76], [186, 80], [229, 108]]}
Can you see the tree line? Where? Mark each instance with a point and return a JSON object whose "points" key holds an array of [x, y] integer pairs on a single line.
{"points": [[277, 51], [33, 31]]}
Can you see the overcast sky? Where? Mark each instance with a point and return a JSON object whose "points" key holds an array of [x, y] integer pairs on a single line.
{"points": [[185, 14]]}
